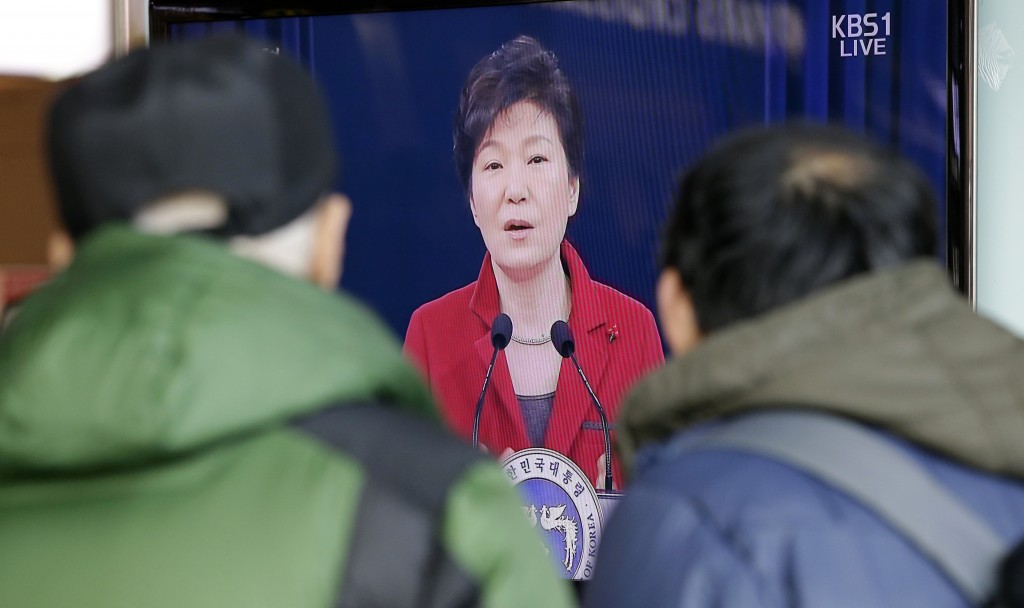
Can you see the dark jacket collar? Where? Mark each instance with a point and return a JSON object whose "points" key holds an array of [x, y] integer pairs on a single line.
{"points": [[898, 349]]}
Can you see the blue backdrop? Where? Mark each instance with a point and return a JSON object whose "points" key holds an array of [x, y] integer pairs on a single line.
{"points": [[658, 81]]}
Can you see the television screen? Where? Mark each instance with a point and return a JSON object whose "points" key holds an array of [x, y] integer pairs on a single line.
{"points": [[657, 81]]}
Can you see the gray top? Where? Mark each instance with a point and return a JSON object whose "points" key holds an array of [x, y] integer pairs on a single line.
{"points": [[536, 411]]}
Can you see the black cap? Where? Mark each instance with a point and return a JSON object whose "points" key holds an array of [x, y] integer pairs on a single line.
{"points": [[217, 114]]}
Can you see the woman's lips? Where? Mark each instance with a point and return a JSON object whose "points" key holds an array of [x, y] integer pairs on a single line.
{"points": [[518, 229]]}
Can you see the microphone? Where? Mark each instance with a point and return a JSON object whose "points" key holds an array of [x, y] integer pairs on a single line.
{"points": [[561, 338], [501, 333]]}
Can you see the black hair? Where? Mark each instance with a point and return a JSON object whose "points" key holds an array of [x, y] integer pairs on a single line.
{"points": [[521, 70], [773, 214]]}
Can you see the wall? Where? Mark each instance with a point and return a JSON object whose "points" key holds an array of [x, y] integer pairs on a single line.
{"points": [[41, 42], [26, 199], [1000, 165]]}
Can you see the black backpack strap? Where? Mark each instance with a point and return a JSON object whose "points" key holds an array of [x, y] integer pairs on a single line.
{"points": [[396, 557], [867, 468]]}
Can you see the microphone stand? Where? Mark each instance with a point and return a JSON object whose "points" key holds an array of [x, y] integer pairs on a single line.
{"points": [[501, 333], [480, 400], [604, 426], [561, 339]]}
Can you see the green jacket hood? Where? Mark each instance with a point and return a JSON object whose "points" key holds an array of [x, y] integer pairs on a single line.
{"points": [[147, 346], [898, 349]]}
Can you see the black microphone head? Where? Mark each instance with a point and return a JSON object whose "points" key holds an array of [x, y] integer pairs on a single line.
{"points": [[561, 338], [501, 331]]}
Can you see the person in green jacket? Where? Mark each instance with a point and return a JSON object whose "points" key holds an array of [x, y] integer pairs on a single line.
{"points": [[183, 422]]}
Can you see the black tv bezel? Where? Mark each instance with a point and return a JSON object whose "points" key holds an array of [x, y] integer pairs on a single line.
{"points": [[959, 217], [960, 242], [163, 14]]}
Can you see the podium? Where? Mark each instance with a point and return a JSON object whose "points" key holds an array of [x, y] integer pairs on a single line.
{"points": [[561, 503], [608, 501]]}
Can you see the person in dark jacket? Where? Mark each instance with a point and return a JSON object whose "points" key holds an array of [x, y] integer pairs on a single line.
{"points": [[799, 275], [185, 418]]}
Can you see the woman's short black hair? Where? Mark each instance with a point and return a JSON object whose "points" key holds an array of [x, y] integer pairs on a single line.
{"points": [[521, 70], [773, 214]]}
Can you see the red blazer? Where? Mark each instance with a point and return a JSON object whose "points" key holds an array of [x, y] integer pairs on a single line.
{"points": [[617, 342]]}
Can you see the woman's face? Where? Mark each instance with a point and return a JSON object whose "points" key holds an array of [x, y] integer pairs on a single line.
{"points": [[522, 195]]}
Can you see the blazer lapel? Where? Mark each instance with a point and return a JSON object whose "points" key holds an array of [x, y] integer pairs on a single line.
{"points": [[572, 403], [501, 410], [500, 404]]}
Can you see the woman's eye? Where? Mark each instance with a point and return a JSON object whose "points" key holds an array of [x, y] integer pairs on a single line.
{"points": [[534, 160], [492, 166]]}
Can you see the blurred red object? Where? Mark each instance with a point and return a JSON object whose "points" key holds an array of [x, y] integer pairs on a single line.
{"points": [[16, 282]]}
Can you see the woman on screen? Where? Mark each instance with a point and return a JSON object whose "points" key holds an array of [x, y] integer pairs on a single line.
{"points": [[518, 151]]}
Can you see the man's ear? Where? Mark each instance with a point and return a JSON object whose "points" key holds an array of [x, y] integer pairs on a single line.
{"points": [[677, 313], [59, 250], [329, 240]]}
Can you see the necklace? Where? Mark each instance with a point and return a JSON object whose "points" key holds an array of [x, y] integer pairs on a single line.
{"points": [[545, 338], [531, 341]]}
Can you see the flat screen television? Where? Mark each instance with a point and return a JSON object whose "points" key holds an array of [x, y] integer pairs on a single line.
{"points": [[658, 81]]}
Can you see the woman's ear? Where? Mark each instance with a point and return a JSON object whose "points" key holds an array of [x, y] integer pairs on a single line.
{"points": [[472, 208], [677, 313], [329, 240], [574, 194]]}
